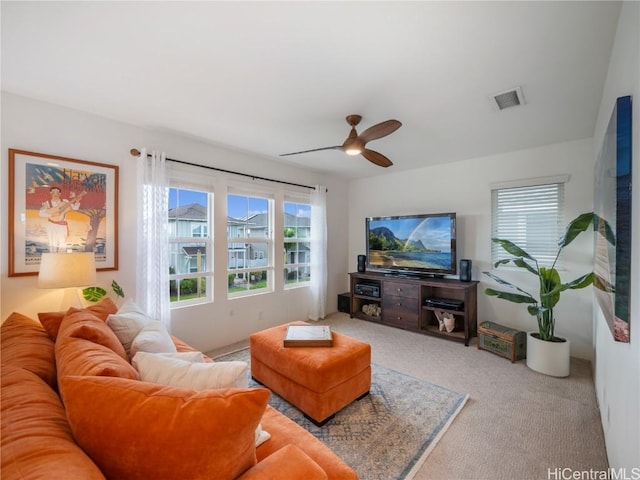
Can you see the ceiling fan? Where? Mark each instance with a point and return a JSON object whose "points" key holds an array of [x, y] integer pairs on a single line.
{"points": [[355, 144]]}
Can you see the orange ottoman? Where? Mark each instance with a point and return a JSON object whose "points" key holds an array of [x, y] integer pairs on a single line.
{"points": [[317, 380]]}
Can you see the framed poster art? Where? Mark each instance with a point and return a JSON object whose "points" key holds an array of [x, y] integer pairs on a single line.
{"points": [[59, 204], [613, 207]]}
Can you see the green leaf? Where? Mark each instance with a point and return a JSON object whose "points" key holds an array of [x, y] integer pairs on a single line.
{"points": [[504, 261], [575, 228], [506, 284], [581, 282], [512, 248], [550, 279], [550, 287], [519, 262], [93, 294], [511, 297], [117, 289]]}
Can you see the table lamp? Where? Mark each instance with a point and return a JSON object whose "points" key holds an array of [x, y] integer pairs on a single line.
{"points": [[65, 270]]}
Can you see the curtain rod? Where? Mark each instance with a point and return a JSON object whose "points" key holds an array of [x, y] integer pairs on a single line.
{"points": [[136, 153]]}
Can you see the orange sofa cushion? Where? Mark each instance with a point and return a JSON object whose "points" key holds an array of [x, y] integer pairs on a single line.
{"points": [[288, 462], [51, 320], [138, 430], [87, 346], [285, 431], [36, 438], [36, 355]]}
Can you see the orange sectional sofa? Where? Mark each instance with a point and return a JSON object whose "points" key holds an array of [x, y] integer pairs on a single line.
{"points": [[73, 407]]}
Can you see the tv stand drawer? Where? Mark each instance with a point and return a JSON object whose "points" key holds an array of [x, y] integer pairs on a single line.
{"points": [[401, 289], [400, 304], [401, 319]]}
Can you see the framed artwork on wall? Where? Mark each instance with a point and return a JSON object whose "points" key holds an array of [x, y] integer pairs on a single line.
{"points": [[613, 205], [59, 204]]}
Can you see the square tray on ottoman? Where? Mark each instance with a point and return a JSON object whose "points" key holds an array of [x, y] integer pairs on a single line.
{"points": [[317, 380], [308, 336]]}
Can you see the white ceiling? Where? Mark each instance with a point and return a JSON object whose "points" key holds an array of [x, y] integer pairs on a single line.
{"points": [[278, 77]]}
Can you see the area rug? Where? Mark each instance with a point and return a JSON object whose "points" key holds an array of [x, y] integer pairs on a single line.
{"points": [[389, 433]]}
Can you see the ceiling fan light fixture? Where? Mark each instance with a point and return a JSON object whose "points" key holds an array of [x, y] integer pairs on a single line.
{"points": [[353, 146]]}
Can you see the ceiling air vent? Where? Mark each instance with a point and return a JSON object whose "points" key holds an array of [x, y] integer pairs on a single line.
{"points": [[509, 98]]}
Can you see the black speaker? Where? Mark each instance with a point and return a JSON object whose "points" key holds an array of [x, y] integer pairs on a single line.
{"points": [[465, 270], [344, 302], [362, 263]]}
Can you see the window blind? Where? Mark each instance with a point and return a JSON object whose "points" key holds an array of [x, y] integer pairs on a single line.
{"points": [[531, 217]]}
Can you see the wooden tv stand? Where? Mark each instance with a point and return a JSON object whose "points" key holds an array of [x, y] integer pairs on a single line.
{"points": [[401, 303]]}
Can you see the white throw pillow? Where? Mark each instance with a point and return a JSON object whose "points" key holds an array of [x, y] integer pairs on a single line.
{"points": [[176, 372], [127, 322], [196, 357], [261, 435], [153, 338]]}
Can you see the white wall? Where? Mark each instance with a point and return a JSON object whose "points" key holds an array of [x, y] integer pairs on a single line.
{"points": [[617, 365], [464, 187], [45, 128]]}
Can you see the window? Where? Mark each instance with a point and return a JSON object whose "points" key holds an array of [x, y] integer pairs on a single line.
{"points": [[249, 244], [531, 216], [297, 246], [199, 230], [190, 246]]}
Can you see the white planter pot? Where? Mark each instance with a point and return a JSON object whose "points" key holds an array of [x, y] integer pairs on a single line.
{"points": [[550, 358]]}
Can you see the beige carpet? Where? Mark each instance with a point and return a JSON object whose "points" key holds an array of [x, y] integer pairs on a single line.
{"points": [[517, 424]]}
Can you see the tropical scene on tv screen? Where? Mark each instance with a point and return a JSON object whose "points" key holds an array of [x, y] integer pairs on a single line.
{"points": [[413, 242]]}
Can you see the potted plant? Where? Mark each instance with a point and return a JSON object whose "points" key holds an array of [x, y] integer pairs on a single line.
{"points": [[546, 353]]}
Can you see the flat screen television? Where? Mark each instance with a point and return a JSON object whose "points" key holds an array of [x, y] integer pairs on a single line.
{"points": [[412, 244]]}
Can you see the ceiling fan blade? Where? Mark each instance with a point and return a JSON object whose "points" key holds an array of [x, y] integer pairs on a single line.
{"points": [[377, 158], [380, 130], [336, 147]]}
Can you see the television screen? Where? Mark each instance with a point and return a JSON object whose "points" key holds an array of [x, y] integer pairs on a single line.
{"points": [[412, 243]]}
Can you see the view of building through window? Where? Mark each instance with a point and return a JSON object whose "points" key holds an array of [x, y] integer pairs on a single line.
{"points": [[190, 264], [249, 244], [297, 248], [249, 240]]}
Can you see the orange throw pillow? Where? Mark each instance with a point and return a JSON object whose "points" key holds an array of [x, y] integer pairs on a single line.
{"points": [[87, 346], [137, 430], [77, 356], [51, 320], [81, 323]]}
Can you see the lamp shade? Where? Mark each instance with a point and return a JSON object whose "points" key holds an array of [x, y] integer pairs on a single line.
{"points": [[62, 270]]}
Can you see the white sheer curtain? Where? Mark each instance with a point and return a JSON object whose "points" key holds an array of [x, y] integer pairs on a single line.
{"points": [[318, 253], [152, 280]]}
